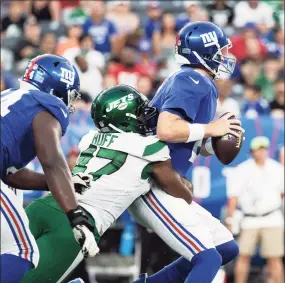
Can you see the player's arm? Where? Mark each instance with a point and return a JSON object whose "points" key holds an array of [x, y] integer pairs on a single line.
{"points": [[164, 174], [172, 128], [47, 134], [26, 179]]}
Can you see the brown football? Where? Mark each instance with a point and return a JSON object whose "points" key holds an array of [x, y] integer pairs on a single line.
{"points": [[227, 147]]}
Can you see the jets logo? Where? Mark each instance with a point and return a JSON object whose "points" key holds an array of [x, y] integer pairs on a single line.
{"points": [[209, 38], [120, 104], [67, 76]]}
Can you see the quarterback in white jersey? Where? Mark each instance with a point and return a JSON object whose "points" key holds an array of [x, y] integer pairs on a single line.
{"points": [[120, 159]]}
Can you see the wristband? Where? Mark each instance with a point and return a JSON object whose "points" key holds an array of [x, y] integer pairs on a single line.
{"points": [[209, 147], [197, 132]]}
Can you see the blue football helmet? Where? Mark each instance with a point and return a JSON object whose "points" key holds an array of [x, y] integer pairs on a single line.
{"points": [[204, 45], [54, 75]]}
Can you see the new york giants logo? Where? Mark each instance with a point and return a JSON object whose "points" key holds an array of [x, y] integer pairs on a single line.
{"points": [[209, 38], [67, 76]]}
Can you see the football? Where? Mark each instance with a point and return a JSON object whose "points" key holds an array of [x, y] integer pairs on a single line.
{"points": [[227, 147]]}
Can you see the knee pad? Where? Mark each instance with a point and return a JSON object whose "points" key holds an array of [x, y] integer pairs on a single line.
{"points": [[228, 251]]}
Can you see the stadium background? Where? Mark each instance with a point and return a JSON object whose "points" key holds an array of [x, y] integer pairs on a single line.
{"points": [[134, 44]]}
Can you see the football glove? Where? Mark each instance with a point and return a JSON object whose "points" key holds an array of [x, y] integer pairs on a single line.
{"points": [[83, 231], [81, 182]]}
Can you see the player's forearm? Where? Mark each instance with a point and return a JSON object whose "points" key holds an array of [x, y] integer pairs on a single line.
{"points": [[175, 187], [171, 128], [170, 181], [58, 178], [47, 133], [26, 179]]}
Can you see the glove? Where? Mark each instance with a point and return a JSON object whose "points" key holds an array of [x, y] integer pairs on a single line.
{"points": [[83, 231], [81, 182]]}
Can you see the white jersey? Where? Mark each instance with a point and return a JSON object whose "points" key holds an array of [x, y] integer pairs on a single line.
{"points": [[120, 166]]}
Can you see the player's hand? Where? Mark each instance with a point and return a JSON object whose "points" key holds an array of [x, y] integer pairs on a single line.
{"points": [[83, 231], [224, 126], [81, 182]]}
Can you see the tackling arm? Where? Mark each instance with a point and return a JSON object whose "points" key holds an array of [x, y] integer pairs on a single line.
{"points": [[170, 181], [26, 179], [47, 133]]}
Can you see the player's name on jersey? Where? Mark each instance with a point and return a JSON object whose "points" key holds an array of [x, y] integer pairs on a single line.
{"points": [[105, 140]]}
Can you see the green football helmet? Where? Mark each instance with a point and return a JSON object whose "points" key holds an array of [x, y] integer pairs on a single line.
{"points": [[123, 109]]}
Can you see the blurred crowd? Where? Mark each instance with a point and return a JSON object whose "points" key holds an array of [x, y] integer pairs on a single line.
{"points": [[132, 42]]}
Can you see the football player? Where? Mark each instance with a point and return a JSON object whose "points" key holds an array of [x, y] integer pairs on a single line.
{"points": [[121, 157], [33, 118], [187, 102]]}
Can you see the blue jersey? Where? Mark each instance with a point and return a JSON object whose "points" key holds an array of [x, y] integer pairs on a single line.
{"points": [[18, 110], [193, 97], [101, 34]]}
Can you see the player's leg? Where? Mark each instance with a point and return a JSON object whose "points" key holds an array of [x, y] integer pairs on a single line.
{"points": [[178, 225], [60, 253], [19, 251], [222, 237]]}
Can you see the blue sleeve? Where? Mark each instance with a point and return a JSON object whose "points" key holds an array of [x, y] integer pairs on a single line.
{"points": [[112, 29], [183, 99], [55, 106]]}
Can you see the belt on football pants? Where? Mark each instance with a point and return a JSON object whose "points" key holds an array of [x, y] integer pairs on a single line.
{"points": [[259, 215]]}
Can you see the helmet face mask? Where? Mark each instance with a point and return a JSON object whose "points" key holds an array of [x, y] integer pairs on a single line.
{"points": [[226, 63], [123, 109], [146, 119]]}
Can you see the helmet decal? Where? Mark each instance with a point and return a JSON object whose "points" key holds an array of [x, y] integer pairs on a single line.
{"points": [[121, 103], [67, 77], [209, 38]]}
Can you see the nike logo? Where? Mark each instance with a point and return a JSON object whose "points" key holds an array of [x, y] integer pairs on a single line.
{"points": [[64, 113], [196, 82]]}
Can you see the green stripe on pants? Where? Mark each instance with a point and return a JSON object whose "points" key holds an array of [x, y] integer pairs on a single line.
{"points": [[57, 245]]}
